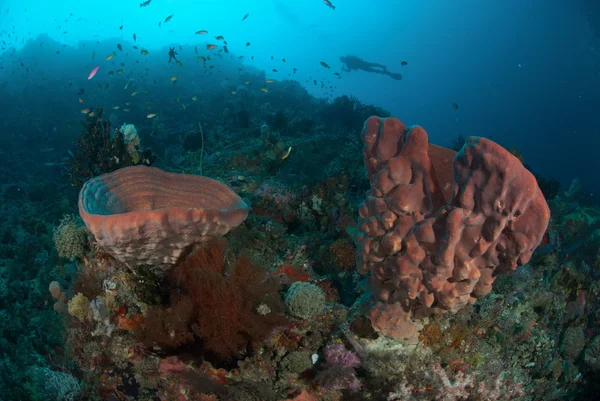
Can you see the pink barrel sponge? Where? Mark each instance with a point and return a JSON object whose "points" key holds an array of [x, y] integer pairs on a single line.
{"points": [[437, 227], [145, 216]]}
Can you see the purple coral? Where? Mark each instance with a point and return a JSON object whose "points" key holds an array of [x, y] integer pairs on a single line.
{"points": [[338, 355], [339, 372]]}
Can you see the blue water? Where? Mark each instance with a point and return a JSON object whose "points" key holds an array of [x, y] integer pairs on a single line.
{"points": [[524, 74]]}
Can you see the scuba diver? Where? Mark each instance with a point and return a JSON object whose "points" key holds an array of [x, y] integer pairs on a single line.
{"points": [[355, 63], [172, 54]]}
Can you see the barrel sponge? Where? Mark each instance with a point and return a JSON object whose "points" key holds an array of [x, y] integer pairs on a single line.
{"points": [[145, 216]]}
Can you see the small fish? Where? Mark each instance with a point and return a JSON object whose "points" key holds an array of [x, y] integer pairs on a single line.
{"points": [[115, 107], [269, 81], [201, 32], [145, 3], [121, 28], [81, 91], [80, 100], [135, 47], [233, 92], [169, 18], [275, 70], [91, 114], [85, 111], [127, 85], [328, 4], [134, 37], [283, 59], [287, 154], [119, 46], [120, 71], [93, 55], [176, 99], [245, 16], [134, 93], [202, 58], [455, 106], [93, 72], [126, 110], [247, 82], [225, 49], [174, 78], [404, 63], [247, 43], [109, 56], [264, 89], [336, 74], [194, 98], [151, 115], [324, 64], [211, 46], [144, 52], [219, 37]]}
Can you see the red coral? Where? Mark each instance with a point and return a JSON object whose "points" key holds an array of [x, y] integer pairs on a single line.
{"points": [[216, 306], [292, 273]]}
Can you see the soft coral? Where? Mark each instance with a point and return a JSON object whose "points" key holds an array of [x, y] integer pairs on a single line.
{"points": [[216, 306]]}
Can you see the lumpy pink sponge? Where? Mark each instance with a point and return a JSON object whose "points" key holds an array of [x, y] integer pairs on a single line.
{"points": [[433, 244], [145, 216]]}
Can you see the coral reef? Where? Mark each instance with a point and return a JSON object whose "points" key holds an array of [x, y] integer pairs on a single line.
{"points": [[75, 323]]}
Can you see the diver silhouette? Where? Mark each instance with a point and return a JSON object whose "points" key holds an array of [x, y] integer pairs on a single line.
{"points": [[172, 54], [355, 63]]}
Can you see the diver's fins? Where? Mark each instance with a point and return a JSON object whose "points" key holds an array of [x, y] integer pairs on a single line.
{"points": [[394, 75]]}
